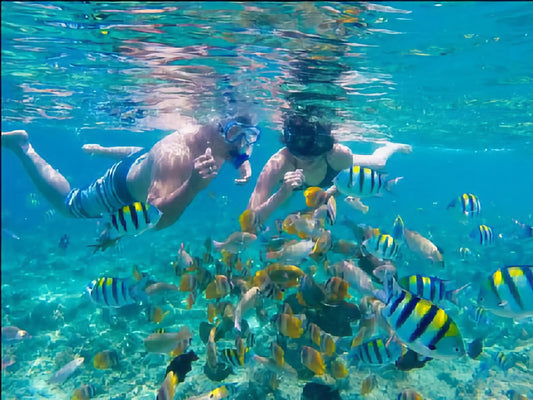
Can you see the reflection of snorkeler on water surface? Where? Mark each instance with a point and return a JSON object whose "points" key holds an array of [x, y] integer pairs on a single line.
{"points": [[168, 176]]}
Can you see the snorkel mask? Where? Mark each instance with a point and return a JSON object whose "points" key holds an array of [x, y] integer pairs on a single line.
{"points": [[307, 139], [235, 132]]}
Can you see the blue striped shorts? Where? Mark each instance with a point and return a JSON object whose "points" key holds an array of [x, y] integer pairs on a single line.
{"points": [[105, 195]]}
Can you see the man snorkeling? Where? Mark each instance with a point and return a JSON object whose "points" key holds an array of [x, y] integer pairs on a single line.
{"points": [[311, 157], [168, 176]]}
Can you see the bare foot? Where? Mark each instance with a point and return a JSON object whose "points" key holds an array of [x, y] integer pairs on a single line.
{"points": [[92, 149], [400, 148], [15, 140]]}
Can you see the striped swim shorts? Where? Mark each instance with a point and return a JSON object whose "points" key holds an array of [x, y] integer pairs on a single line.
{"points": [[105, 195]]}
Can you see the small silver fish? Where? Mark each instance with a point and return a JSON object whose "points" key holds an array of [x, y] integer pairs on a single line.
{"points": [[64, 373]]}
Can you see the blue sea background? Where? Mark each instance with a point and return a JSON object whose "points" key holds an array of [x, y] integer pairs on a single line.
{"points": [[453, 80]]}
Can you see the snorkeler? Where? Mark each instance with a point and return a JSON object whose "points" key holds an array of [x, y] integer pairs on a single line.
{"points": [[168, 176], [311, 157]]}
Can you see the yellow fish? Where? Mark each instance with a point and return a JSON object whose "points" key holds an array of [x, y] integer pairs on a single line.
{"points": [[247, 221], [187, 283], [338, 369], [327, 345], [84, 392], [157, 315], [277, 354], [368, 384], [290, 326], [313, 360], [106, 359], [219, 288], [314, 197]]}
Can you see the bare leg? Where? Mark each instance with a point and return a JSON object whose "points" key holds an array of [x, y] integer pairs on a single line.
{"points": [[117, 152], [379, 158], [48, 181]]}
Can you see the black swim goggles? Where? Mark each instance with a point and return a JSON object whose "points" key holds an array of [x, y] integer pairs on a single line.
{"points": [[308, 145], [234, 131]]}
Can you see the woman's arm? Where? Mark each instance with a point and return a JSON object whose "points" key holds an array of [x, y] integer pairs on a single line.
{"points": [[262, 202], [116, 152]]}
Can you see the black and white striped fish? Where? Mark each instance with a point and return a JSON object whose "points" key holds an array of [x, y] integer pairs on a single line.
{"points": [[468, 203], [360, 181], [419, 324], [116, 292]]}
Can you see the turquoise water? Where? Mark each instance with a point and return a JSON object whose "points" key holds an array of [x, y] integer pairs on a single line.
{"points": [[453, 80]]}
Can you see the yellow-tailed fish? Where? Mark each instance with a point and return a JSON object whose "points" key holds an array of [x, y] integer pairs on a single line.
{"points": [[187, 283], [369, 384], [219, 288], [338, 369], [84, 392], [313, 360], [336, 289], [315, 333], [157, 315], [314, 196], [327, 344], [247, 221], [277, 354], [410, 394], [290, 325], [106, 359], [284, 275]]}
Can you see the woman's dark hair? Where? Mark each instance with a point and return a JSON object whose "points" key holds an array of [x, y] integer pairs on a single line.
{"points": [[307, 136]]}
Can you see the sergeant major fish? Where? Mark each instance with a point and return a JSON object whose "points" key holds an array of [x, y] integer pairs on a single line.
{"points": [[508, 292], [419, 324], [467, 203], [430, 288], [383, 246], [132, 219], [376, 352], [116, 292], [360, 181], [483, 235]]}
